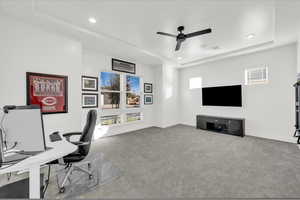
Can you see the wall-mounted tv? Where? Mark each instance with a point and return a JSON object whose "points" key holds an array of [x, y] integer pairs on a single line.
{"points": [[222, 96]]}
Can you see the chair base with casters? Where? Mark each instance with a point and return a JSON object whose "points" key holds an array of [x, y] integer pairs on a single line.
{"points": [[70, 168]]}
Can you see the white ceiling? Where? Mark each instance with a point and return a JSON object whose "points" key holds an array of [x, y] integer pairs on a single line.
{"points": [[127, 28]]}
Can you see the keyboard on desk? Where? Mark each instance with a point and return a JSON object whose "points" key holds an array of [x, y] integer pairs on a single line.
{"points": [[55, 137]]}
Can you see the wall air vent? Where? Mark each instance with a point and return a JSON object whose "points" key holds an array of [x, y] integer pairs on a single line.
{"points": [[256, 76]]}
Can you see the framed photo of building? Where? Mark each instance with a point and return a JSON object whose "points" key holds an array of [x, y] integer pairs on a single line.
{"points": [[123, 66], [148, 99], [89, 83], [148, 88], [49, 91], [89, 100]]}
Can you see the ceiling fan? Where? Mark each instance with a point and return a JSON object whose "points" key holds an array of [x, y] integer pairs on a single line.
{"points": [[181, 37]]}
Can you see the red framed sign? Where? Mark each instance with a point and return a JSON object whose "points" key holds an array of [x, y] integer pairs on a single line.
{"points": [[49, 91]]}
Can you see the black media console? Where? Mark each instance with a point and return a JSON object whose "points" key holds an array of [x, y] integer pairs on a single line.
{"points": [[232, 126]]}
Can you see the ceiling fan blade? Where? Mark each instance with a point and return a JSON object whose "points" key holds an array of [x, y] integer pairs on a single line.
{"points": [[198, 33], [178, 45], [167, 34]]}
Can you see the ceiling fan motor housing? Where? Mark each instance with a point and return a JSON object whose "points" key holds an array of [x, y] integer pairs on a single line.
{"points": [[180, 28], [181, 37]]}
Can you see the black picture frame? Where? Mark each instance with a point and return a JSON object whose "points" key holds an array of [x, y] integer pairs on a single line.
{"points": [[148, 91], [119, 69], [148, 103], [54, 76], [89, 94], [89, 77]]}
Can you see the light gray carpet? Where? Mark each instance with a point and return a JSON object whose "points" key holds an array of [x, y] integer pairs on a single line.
{"points": [[184, 162], [79, 183]]}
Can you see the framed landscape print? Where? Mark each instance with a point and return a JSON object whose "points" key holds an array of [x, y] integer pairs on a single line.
{"points": [[89, 100], [148, 99], [123, 66], [89, 83], [49, 91], [148, 88]]}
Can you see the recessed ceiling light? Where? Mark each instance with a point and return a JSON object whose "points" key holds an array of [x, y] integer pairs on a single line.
{"points": [[92, 20], [179, 58], [250, 36]]}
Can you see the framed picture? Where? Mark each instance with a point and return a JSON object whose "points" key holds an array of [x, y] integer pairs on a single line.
{"points": [[49, 91], [148, 99], [148, 88], [123, 66], [89, 100], [89, 83]]}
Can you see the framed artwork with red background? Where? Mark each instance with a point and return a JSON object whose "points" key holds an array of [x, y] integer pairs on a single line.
{"points": [[49, 91]]}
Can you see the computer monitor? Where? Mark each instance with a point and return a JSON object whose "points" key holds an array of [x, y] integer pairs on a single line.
{"points": [[24, 129]]}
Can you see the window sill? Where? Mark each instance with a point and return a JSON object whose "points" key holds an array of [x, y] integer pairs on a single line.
{"points": [[122, 124]]}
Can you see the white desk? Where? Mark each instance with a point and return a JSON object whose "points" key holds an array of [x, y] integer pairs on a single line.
{"points": [[33, 164]]}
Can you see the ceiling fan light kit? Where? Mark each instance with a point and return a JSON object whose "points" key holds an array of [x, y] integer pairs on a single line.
{"points": [[181, 37]]}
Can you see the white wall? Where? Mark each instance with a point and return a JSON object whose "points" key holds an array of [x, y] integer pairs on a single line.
{"points": [[298, 57], [93, 64], [168, 95], [25, 48], [268, 109]]}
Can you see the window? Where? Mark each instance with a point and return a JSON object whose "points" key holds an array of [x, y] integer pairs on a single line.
{"points": [[132, 91], [110, 81], [131, 117], [119, 94], [195, 83], [256, 76], [110, 100], [110, 90], [110, 120]]}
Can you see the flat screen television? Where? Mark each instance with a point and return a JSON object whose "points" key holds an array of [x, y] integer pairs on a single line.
{"points": [[222, 96]]}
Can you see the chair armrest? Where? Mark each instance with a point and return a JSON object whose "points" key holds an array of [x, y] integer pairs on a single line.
{"points": [[81, 143], [68, 135]]}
